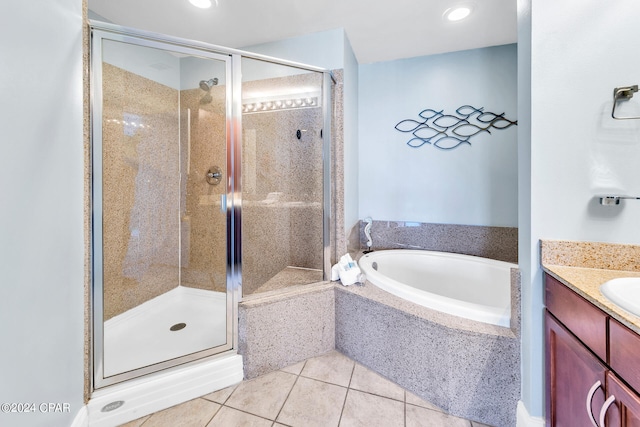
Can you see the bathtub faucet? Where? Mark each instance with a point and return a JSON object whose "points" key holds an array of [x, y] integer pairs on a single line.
{"points": [[367, 233]]}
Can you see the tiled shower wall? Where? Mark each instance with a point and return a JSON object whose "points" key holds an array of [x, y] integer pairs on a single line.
{"points": [[153, 170], [162, 221], [140, 190], [282, 186], [204, 224]]}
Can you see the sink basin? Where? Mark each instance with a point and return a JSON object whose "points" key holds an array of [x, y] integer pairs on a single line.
{"points": [[623, 292]]}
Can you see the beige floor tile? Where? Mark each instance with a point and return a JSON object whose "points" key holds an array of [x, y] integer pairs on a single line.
{"points": [[364, 379], [412, 399], [135, 423], [367, 410], [423, 417], [263, 396], [332, 367], [294, 369], [194, 413], [227, 417], [220, 396], [313, 404]]}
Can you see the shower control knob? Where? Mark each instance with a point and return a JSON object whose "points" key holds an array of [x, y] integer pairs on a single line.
{"points": [[214, 175]]}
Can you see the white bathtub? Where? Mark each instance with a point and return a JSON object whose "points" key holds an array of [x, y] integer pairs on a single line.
{"points": [[462, 285]]}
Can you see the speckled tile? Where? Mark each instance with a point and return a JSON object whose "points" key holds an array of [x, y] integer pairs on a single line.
{"points": [[332, 368], [365, 410], [313, 404], [263, 396], [469, 371], [516, 301], [135, 217], [194, 413], [291, 276], [500, 243], [267, 342], [282, 205], [339, 239], [227, 417]]}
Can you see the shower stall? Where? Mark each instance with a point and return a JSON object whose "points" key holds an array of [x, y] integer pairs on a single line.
{"points": [[209, 182]]}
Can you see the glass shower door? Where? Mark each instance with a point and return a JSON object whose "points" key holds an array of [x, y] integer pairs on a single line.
{"points": [[283, 188], [161, 217]]}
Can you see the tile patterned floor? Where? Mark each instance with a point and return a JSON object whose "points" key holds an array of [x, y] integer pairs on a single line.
{"points": [[324, 391]]}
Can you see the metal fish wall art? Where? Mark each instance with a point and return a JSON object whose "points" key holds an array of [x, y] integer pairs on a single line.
{"points": [[448, 131]]}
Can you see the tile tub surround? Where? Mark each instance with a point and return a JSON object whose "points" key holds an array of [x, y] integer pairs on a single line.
{"points": [[500, 243], [469, 369], [327, 390], [279, 328]]}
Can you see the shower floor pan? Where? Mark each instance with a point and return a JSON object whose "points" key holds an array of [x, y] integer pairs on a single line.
{"points": [[176, 323]]}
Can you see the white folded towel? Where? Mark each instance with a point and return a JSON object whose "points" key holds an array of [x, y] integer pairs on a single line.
{"points": [[347, 271]]}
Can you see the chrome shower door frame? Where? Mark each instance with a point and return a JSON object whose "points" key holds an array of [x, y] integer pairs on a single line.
{"points": [[100, 32]]}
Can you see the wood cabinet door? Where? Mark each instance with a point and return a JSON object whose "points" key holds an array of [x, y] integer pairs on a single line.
{"points": [[571, 372], [624, 410]]}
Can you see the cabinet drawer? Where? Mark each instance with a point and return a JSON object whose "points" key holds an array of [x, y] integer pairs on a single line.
{"points": [[583, 319], [624, 351]]}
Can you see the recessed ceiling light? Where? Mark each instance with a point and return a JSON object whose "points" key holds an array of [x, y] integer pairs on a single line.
{"points": [[458, 13], [203, 4]]}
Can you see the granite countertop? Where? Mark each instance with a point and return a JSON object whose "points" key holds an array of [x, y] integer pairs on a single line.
{"points": [[589, 266]]}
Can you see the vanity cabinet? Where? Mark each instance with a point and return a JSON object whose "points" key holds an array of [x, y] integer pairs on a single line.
{"points": [[592, 364], [572, 370]]}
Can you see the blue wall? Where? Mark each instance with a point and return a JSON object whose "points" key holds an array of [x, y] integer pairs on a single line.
{"points": [[473, 184], [41, 220]]}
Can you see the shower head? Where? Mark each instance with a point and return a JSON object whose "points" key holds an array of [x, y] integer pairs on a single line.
{"points": [[208, 84]]}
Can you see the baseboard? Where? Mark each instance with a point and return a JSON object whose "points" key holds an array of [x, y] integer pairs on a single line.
{"points": [[82, 418], [526, 420], [125, 402]]}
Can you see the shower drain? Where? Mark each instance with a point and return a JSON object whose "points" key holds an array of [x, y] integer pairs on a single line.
{"points": [[178, 326]]}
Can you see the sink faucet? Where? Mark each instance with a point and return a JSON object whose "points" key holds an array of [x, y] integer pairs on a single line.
{"points": [[367, 233]]}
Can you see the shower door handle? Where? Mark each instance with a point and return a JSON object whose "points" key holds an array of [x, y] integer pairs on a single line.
{"points": [[223, 203]]}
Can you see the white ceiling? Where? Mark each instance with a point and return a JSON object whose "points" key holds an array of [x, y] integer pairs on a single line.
{"points": [[378, 30]]}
